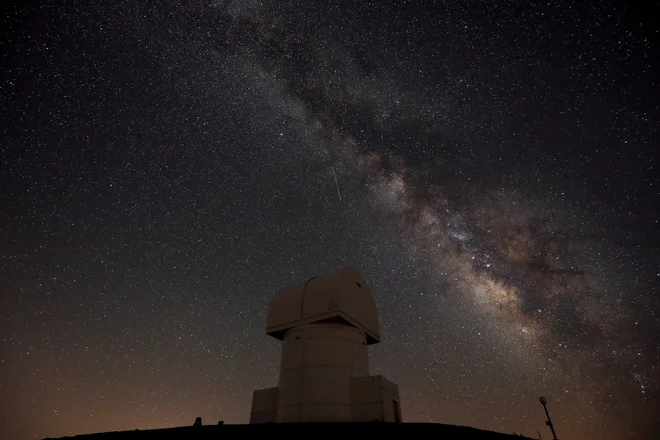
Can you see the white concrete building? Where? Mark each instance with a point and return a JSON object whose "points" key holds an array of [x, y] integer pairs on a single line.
{"points": [[325, 324]]}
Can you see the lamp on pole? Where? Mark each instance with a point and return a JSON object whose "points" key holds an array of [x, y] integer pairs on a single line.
{"points": [[544, 402]]}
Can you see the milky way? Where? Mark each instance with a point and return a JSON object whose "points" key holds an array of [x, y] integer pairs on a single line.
{"points": [[488, 166]]}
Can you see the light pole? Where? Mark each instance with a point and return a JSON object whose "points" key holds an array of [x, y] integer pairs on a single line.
{"points": [[548, 422]]}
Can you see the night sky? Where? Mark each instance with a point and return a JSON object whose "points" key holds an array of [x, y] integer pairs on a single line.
{"points": [[167, 166]]}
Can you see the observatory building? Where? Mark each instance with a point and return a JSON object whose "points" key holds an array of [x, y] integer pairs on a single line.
{"points": [[325, 325]]}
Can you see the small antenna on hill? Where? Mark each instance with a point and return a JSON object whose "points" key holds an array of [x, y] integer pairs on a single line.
{"points": [[544, 402]]}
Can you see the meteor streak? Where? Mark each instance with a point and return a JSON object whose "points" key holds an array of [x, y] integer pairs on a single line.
{"points": [[336, 184]]}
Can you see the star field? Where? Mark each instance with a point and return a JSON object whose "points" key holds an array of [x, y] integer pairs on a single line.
{"points": [[167, 167]]}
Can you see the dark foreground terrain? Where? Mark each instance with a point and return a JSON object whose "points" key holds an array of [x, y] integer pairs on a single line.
{"points": [[297, 430]]}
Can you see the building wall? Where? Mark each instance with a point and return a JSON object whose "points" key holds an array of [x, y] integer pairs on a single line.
{"points": [[264, 405], [318, 362], [375, 398], [372, 399]]}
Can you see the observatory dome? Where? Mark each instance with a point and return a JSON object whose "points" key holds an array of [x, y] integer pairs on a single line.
{"points": [[341, 297]]}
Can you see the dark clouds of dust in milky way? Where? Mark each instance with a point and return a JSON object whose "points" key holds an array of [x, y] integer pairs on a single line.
{"points": [[447, 130], [536, 263]]}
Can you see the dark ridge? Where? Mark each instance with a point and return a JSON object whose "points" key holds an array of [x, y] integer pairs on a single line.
{"points": [[411, 430]]}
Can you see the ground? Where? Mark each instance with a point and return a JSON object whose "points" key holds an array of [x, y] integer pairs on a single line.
{"points": [[438, 431]]}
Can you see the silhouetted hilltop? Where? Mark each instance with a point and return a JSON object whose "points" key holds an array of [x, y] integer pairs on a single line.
{"points": [[411, 430]]}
